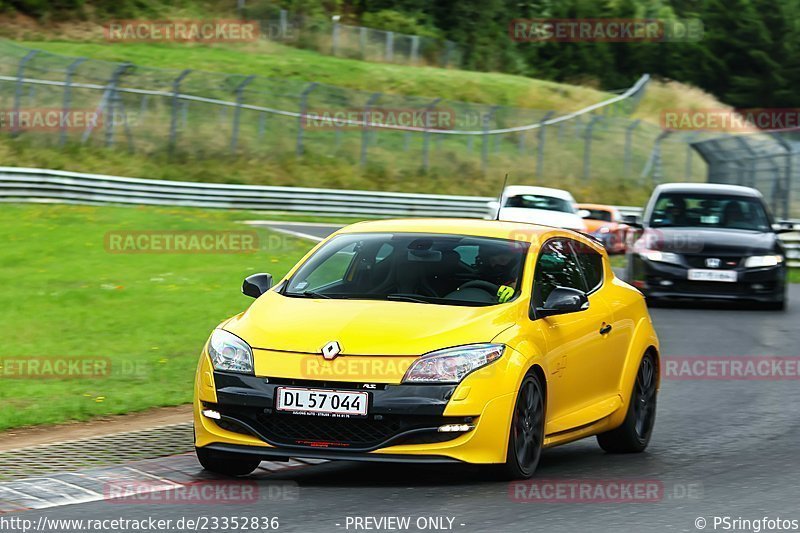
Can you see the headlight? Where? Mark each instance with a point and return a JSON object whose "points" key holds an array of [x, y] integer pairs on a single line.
{"points": [[230, 353], [452, 364], [758, 261], [661, 257]]}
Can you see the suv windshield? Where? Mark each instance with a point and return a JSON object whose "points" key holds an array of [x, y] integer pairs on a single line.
{"points": [[416, 267], [535, 201], [710, 211]]}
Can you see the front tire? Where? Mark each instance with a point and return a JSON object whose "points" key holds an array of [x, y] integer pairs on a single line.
{"points": [[526, 436], [226, 463], [633, 435]]}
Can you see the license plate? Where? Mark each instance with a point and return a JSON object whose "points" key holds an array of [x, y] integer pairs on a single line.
{"points": [[322, 402], [713, 275]]}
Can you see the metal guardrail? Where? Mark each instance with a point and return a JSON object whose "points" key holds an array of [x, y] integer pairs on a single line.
{"points": [[41, 185]]}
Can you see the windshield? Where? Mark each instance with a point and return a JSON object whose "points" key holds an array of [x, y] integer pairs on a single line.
{"points": [[710, 211], [600, 214], [535, 201], [423, 268]]}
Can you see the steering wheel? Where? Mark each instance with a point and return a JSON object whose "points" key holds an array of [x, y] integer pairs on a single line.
{"points": [[487, 286]]}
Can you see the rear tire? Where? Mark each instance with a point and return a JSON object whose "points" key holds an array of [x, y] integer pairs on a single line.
{"points": [[633, 435], [226, 463], [527, 431]]}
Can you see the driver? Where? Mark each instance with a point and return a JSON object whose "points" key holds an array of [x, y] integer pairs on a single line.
{"points": [[501, 266]]}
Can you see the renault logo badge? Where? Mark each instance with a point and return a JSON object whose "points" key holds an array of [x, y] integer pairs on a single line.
{"points": [[713, 262], [331, 350]]}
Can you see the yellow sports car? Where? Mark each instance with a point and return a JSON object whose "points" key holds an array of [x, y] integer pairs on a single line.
{"points": [[431, 341]]}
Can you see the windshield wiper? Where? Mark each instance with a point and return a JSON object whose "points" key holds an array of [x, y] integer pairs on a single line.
{"points": [[312, 294], [406, 298]]}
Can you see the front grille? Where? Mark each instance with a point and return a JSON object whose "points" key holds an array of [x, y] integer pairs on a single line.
{"points": [[699, 261], [354, 433]]}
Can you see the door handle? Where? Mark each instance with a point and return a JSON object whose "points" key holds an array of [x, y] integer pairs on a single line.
{"points": [[605, 329]]}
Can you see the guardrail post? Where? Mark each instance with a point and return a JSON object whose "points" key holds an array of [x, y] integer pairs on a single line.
{"points": [[587, 149], [629, 147], [18, 90], [302, 117], [173, 125], [239, 97], [365, 130], [487, 120], [389, 46], [67, 102], [541, 142], [426, 139]]}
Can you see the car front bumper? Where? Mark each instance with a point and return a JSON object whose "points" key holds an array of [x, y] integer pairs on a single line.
{"points": [[402, 424], [659, 280]]}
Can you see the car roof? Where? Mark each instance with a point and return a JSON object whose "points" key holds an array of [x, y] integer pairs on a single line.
{"points": [[711, 188], [497, 229], [516, 190]]}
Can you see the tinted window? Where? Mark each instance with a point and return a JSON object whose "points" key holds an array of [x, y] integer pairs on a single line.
{"points": [[709, 211], [600, 214], [591, 264], [557, 267]]}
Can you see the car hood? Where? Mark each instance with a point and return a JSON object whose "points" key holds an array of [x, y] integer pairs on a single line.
{"points": [[710, 241], [366, 327], [558, 219]]}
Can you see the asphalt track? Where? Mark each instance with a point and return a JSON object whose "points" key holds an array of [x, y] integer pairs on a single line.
{"points": [[721, 448]]}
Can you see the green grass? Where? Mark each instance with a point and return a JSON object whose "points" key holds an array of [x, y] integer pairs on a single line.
{"points": [[794, 275], [65, 296]]}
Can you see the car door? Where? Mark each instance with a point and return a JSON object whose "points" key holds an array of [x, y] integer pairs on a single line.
{"points": [[573, 340]]}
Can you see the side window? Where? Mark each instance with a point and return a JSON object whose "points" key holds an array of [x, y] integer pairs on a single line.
{"points": [[556, 267], [591, 264]]}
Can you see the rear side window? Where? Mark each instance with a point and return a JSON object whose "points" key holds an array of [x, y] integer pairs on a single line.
{"points": [[556, 267], [591, 264]]}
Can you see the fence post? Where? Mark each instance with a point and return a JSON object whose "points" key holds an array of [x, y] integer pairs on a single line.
{"points": [[487, 119], [414, 49], [67, 103], [335, 39], [540, 143], [239, 97], [18, 90], [362, 41], [365, 131], [173, 125], [389, 46], [111, 101], [629, 147], [654, 161], [302, 117], [426, 139], [689, 153], [587, 149], [284, 24]]}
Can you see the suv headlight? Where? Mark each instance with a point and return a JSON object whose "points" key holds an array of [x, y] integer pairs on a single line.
{"points": [[758, 261], [229, 353], [452, 364]]}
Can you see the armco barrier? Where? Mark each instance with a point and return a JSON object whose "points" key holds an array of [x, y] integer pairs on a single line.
{"points": [[41, 185]]}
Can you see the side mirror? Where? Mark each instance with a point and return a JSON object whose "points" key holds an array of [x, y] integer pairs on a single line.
{"points": [[256, 285], [632, 220], [584, 213], [563, 300]]}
